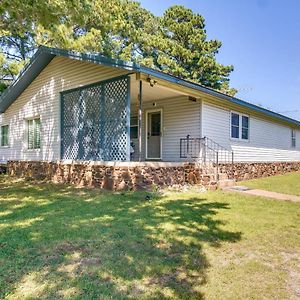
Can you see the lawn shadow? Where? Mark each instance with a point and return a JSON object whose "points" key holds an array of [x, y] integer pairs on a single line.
{"points": [[67, 242]]}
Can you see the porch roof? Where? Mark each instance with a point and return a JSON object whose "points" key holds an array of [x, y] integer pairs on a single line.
{"points": [[44, 55]]}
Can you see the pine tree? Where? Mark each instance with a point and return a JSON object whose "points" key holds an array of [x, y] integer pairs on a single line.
{"points": [[175, 43]]}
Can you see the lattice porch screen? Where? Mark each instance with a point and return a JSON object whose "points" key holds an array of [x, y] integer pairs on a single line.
{"points": [[95, 121]]}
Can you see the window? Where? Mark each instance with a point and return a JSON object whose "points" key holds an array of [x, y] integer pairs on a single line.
{"points": [[293, 138], [245, 128], [134, 127], [239, 126], [235, 126], [4, 135], [155, 124], [34, 135]]}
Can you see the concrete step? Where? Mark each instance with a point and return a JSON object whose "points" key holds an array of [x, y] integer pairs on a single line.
{"points": [[226, 183]]}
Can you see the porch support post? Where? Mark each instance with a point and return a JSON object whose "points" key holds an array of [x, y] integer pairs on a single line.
{"points": [[140, 118]]}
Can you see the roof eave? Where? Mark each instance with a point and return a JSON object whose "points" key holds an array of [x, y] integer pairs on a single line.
{"points": [[217, 94], [41, 59], [37, 63], [44, 55]]}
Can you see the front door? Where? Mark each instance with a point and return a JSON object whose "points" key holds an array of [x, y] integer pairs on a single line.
{"points": [[153, 132]]}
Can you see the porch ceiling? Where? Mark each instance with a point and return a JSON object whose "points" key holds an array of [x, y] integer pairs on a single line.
{"points": [[152, 93]]}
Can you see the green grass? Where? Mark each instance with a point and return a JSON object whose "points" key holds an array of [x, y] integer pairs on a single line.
{"points": [[286, 184], [59, 242]]}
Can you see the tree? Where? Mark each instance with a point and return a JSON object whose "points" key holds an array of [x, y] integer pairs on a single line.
{"points": [[180, 47], [22, 22], [175, 43]]}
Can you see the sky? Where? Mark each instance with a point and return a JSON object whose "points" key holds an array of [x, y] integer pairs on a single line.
{"points": [[261, 39]]}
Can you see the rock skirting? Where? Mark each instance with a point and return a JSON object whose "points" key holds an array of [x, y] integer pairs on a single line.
{"points": [[137, 176], [111, 177], [245, 171]]}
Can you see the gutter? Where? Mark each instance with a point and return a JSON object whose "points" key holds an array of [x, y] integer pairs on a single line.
{"points": [[46, 54]]}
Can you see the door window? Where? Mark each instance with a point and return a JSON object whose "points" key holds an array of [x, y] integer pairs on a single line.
{"points": [[155, 124]]}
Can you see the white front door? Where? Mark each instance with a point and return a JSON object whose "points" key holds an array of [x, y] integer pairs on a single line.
{"points": [[153, 134]]}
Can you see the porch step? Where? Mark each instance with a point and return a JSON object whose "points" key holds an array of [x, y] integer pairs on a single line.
{"points": [[226, 183]]}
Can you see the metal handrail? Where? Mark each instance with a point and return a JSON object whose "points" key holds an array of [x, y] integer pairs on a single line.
{"points": [[228, 154], [205, 150], [225, 155], [190, 147], [212, 142]]}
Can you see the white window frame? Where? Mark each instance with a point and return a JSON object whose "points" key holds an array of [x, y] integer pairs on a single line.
{"points": [[27, 133], [293, 138], [241, 115], [4, 146]]}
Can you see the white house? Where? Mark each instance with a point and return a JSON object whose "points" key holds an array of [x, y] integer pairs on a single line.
{"points": [[85, 107]]}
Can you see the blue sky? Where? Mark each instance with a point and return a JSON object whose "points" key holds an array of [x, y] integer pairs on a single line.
{"points": [[261, 38]]}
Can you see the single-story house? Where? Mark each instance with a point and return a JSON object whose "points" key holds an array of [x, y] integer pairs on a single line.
{"points": [[73, 107]]}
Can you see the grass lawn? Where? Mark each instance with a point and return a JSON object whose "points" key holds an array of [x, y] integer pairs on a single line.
{"points": [[59, 242], [286, 184]]}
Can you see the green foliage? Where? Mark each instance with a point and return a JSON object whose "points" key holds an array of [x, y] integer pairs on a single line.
{"points": [[175, 43], [181, 48]]}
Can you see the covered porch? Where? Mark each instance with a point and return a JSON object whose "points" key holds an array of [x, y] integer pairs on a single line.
{"points": [[159, 117], [128, 118]]}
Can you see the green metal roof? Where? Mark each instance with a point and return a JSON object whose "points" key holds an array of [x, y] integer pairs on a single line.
{"points": [[44, 55]]}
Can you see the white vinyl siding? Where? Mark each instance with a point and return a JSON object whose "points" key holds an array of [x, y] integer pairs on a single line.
{"points": [[180, 117], [216, 124], [268, 141], [42, 98]]}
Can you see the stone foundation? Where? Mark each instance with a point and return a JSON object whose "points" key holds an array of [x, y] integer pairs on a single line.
{"points": [[137, 176], [245, 171], [112, 176]]}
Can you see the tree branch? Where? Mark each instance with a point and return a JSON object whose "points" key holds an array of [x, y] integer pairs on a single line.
{"points": [[13, 56]]}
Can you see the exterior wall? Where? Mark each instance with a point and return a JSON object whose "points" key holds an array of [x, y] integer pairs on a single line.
{"points": [[113, 176], [42, 99], [137, 176], [268, 141], [180, 118], [245, 171]]}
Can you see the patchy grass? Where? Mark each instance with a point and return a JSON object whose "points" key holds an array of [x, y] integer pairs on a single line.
{"points": [[286, 184], [59, 242]]}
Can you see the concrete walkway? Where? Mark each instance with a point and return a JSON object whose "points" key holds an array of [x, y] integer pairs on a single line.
{"points": [[263, 193]]}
